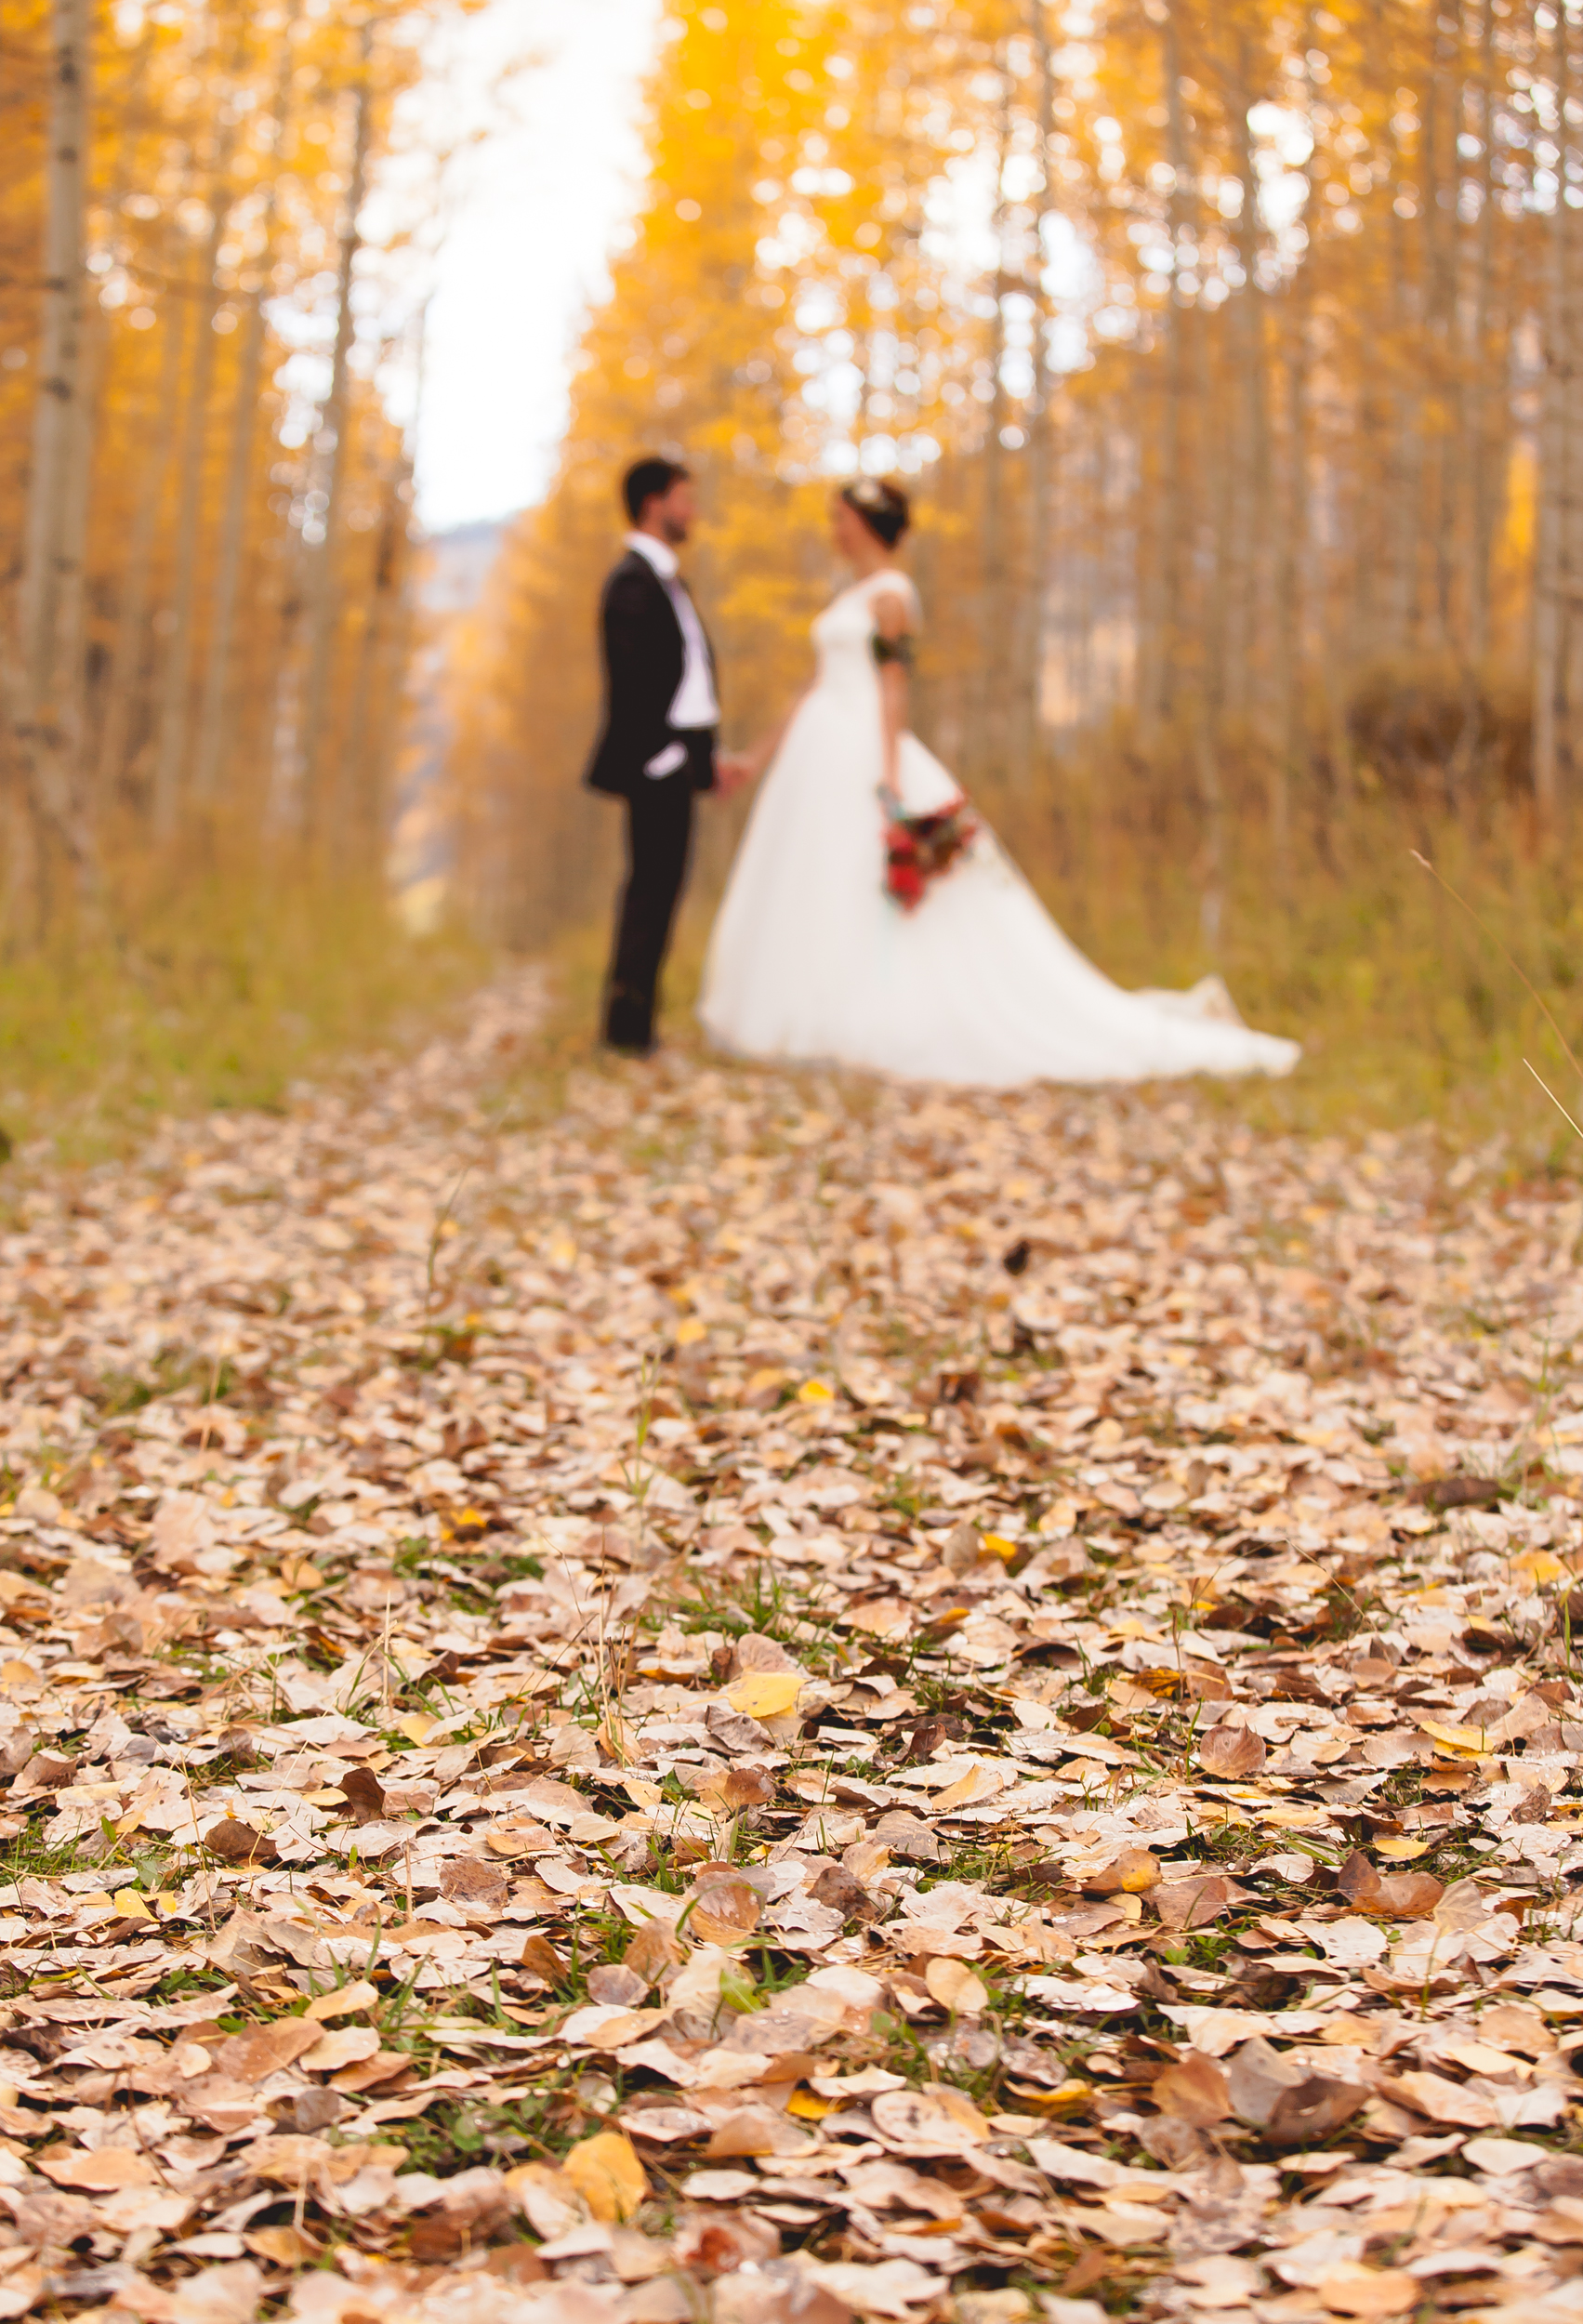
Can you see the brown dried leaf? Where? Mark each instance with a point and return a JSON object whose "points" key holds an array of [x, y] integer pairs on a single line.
{"points": [[1232, 1753], [363, 1794], [1396, 1896], [1133, 1873], [934, 2121], [1192, 2091], [99, 2170], [724, 1912], [1371, 2292], [470, 1880], [252, 2057], [235, 1843]]}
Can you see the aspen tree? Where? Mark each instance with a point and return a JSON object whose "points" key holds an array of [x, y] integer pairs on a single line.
{"points": [[170, 758], [47, 683], [239, 470], [320, 622]]}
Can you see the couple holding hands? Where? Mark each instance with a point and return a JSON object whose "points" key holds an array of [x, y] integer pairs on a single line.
{"points": [[870, 919]]}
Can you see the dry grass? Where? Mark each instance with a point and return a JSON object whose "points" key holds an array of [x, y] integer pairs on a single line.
{"points": [[1407, 1011], [218, 991]]}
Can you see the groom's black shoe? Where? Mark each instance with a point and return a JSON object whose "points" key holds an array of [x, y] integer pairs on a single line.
{"points": [[629, 1026]]}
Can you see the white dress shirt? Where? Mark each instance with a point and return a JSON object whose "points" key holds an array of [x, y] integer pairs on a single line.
{"points": [[695, 705]]}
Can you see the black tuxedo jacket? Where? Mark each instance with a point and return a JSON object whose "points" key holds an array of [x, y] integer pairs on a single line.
{"points": [[644, 655]]}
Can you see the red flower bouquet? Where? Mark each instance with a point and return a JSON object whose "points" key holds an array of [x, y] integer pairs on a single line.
{"points": [[921, 849]]}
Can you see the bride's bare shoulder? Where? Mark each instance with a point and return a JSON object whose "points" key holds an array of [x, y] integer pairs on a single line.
{"points": [[891, 592]]}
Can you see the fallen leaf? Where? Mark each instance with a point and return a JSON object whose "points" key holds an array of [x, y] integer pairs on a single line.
{"points": [[606, 2173], [723, 1912], [934, 2121], [1232, 1752], [471, 1880], [1401, 1895], [252, 2057], [236, 1843], [342, 2001], [1131, 1873], [100, 2170], [765, 1694], [1371, 2292], [1194, 2089], [955, 1986]]}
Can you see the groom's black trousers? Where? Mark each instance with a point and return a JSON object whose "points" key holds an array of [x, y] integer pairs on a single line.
{"points": [[659, 837]]}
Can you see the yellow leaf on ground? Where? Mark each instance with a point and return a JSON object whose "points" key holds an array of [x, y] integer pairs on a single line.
{"points": [[132, 1904], [607, 2174], [979, 1783], [955, 1986], [815, 1392], [765, 1694], [688, 1334], [341, 2004], [1455, 1738]]}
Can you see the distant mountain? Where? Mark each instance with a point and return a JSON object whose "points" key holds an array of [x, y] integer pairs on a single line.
{"points": [[459, 562], [456, 564]]}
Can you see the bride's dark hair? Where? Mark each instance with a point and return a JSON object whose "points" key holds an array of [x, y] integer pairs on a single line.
{"points": [[883, 508]]}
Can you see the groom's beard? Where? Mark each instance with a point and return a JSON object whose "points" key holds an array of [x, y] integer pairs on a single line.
{"points": [[674, 534]]}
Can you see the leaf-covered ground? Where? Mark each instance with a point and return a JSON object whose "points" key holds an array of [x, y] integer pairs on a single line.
{"points": [[758, 1700]]}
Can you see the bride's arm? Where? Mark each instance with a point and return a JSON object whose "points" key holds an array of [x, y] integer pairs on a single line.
{"points": [[754, 761], [893, 652]]}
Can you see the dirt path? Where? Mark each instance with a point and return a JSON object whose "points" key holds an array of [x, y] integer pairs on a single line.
{"points": [[755, 1699]]}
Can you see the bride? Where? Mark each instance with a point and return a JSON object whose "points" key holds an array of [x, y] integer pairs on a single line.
{"points": [[870, 921]]}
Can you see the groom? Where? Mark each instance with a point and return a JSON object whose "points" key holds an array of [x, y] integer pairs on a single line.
{"points": [[658, 747]]}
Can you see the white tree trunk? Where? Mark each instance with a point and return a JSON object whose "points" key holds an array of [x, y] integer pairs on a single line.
{"points": [[170, 762], [124, 679], [321, 610], [45, 678], [1557, 483], [233, 516]]}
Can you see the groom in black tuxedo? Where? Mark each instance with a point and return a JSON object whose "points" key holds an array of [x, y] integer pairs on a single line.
{"points": [[658, 743]]}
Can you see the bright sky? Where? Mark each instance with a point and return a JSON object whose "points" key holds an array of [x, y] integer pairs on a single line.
{"points": [[538, 199]]}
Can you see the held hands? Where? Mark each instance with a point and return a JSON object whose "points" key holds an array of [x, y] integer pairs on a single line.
{"points": [[733, 770]]}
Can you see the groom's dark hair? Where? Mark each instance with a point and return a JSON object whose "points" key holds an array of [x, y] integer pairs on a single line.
{"points": [[650, 480]]}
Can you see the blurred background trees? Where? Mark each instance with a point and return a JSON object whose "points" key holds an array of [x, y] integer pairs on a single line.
{"points": [[1232, 352], [209, 589]]}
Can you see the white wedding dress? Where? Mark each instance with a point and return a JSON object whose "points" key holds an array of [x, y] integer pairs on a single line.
{"points": [[810, 960]]}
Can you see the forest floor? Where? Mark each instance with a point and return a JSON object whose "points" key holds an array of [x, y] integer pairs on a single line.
{"points": [[697, 1697]]}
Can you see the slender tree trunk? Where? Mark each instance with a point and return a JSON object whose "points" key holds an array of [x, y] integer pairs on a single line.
{"points": [[376, 703], [995, 590], [1552, 580], [1440, 305], [321, 607], [1476, 428], [1175, 489], [123, 681], [1041, 495], [244, 430], [170, 762], [47, 688], [1473, 420], [1403, 482], [1251, 453]]}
